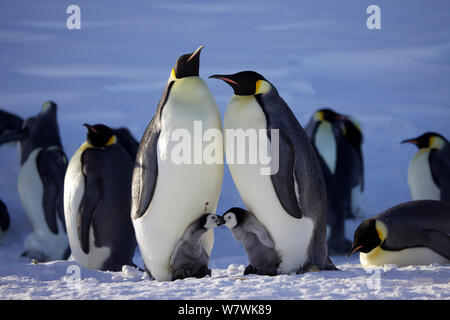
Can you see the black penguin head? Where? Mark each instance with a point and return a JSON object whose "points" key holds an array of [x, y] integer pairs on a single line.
{"points": [[209, 221], [367, 237], [327, 114], [233, 217], [99, 135], [245, 83], [187, 65], [428, 140]]}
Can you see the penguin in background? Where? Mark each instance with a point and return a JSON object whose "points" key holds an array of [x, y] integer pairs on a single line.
{"points": [[4, 219], [289, 202], [167, 196], [429, 170], [10, 127], [127, 141], [338, 140], [97, 202], [411, 233], [40, 182]]}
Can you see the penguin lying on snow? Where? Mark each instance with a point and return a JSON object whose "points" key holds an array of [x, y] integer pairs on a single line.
{"points": [[256, 240], [163, 200], [189, 258], [97, 201], [291, 201], [411, 233], [429, 170], [4, 219], [40, 182]]}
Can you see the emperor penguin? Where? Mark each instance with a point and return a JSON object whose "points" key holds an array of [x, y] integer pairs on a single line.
{"points": [[257, 241], [411, 233], [338, 139], [40, 182], [429, 170], [127, 141], [4, 219], [290, 200], [168, 194], [97, 202], [10, 127], [189, 258]]}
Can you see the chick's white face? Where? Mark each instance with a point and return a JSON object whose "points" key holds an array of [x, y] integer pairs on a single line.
{"points": [[211, 221], [230, 220]]}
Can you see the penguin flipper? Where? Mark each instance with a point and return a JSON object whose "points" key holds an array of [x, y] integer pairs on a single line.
{"points": [[440, 170], [260, 231], [438, 241], [92, 196], [52, 165], [284, 181], [145, 172]]}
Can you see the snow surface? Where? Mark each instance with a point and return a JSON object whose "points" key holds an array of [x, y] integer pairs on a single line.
{"points": [[395, 81]]}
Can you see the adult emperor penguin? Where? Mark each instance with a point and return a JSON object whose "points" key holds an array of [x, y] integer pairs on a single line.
{"points": [[338, 139], [40, 183], [4, 219], [97, 202], [411, 233], [429, 170], [168, 194], [289, 202]]}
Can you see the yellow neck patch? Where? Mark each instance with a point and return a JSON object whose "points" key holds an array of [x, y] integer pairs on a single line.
{"points": [[436, 143], [172, 77], [318, 116], [262, 87], [112, 140], [381, 230]]}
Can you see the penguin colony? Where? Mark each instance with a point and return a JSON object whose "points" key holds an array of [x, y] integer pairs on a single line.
{"points": [[116, 193]]}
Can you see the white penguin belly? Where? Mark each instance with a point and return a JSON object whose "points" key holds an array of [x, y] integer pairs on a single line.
{"points": [[73, 193], [420, 180], [182, 190], [291, 236], [326, 144], [31, 192], [405, 257]]}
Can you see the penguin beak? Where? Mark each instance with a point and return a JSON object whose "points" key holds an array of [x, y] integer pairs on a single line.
{"points": [[353, 250], [413, 141], [196, 52], [221, 221], [224, 78], [89, 127]]}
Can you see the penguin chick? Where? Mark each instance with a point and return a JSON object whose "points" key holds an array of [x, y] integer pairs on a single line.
{"points": [[411, 233], [189, 257], [258, 243], [429, 170]]}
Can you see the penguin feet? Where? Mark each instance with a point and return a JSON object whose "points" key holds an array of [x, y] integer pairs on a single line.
{"points": [[187, 273], [312, 267], [202, 272], [252, 270]]}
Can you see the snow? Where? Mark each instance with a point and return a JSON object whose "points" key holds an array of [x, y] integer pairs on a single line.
{"points": [[395, 81]]}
